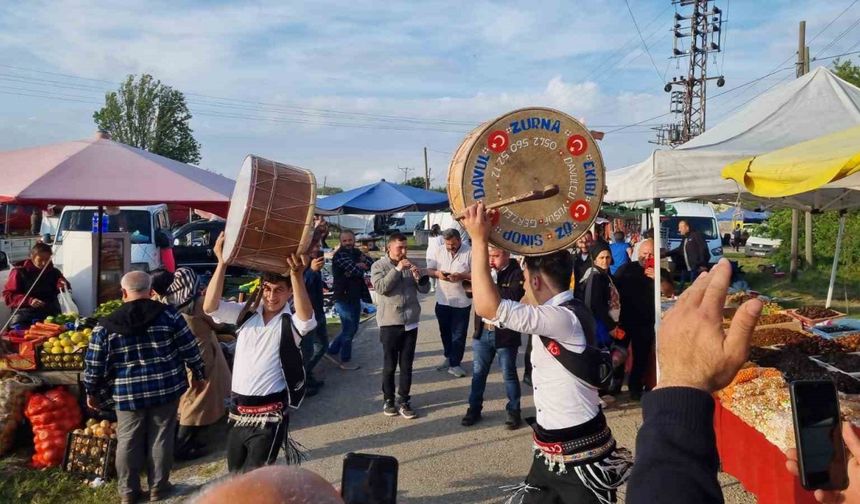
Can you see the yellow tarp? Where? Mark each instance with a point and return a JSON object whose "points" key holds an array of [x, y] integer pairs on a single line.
{"points": [[801, 167]]}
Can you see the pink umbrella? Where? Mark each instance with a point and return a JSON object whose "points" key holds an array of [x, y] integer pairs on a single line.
{"points": [[101, 172]]}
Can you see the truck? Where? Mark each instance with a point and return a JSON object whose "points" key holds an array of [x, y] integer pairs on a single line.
{"points": [[142, 223]]}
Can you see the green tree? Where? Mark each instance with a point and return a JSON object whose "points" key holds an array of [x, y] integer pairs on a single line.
{"points": [[328, 190], [418, 182], [147, 114], [847, 70]]}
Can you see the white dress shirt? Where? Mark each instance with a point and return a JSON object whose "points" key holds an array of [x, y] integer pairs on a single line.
{"points": [[562, 400], [451, 293], [257, 365]]}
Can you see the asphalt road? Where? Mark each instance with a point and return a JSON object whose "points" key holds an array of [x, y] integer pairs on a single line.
{"points": [[440, 461]]}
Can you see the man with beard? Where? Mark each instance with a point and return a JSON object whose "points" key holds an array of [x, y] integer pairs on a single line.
{"points": [[396, 281], [348, 267], [268, 372]]}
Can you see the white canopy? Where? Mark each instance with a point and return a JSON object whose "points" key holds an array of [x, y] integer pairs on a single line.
{"points": [[813, 105]]}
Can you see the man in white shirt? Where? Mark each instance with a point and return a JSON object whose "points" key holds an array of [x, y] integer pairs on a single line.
{"points": [[576, 456], [451, 266], [268, 370]]}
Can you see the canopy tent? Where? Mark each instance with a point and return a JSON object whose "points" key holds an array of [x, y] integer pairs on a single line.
{"points": [[101, 172], [382, 198], [802, 167], [816, 104]]}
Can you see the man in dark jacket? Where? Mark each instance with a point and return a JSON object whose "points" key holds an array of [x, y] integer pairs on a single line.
{"points": [[349, 266], [33, 286], [137, 357], [692, 255], [635, 282], [314, 345], [490, 340]]}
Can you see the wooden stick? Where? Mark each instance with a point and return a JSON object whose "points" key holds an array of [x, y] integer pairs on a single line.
{"points": [[547, 192]]}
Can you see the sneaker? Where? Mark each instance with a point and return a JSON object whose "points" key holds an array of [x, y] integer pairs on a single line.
{"points": [[471, 418], [388, 409], [160, 494], [443, 364], [406, 411], [456, 371], [514, 420], [346, 366]]}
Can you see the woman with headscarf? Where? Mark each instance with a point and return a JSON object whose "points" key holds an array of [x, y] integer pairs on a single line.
{"points": [[199, 407]]}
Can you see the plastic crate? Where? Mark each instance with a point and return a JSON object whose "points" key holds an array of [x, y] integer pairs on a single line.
{"points": [[851, 326], [90, 456], [76, 363], [807, 322]]}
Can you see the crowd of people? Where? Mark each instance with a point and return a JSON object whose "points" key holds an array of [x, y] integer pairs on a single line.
{"points": [[158, 364]]}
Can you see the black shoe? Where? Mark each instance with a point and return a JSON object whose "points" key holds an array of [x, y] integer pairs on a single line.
{"points": [[313, 382], [471, 417], [389, 410], [514, 420], [527, 380], [311, 390], [406, 411]]}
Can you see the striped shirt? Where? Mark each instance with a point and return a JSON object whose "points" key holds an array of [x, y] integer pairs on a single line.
{"points": [[143, 370]]}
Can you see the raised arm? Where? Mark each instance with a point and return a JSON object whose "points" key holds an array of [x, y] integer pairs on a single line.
{"points": [[216, 285], [298, 264], [484, 293]]}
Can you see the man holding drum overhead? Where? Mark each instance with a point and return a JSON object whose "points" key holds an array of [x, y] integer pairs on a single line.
{"points": [[268, 371], [577, 460]]}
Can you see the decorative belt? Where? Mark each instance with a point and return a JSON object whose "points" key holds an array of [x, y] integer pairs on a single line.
{"points": [[257, 416], [580, 450], [257, 410]]}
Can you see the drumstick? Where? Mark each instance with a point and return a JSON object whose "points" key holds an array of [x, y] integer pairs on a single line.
{"points": [[547, 192]]}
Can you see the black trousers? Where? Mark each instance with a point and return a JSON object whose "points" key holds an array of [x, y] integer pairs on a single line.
{"points": [[250, 447], [642, 341], [527, 361], [398, 346], [556, 488]]}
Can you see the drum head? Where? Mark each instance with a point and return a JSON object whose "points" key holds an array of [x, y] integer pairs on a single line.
{"points": [[238, 207], [527, 150]]}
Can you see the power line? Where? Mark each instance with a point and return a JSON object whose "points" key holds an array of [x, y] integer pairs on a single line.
{"points": [[832, 21], [725, 38], [642, 39], [817, 58], [839, 37]]}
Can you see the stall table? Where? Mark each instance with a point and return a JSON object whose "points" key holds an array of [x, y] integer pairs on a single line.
{"points": [[756, 462]]}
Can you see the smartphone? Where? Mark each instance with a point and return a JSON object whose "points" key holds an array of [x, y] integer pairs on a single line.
{"points": [[818, 435], [369, 479]]}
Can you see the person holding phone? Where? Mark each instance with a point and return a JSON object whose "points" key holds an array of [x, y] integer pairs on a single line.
{"points": [[451, 265], [576, 456], [268, 371], [635, 282], [397, 285]]}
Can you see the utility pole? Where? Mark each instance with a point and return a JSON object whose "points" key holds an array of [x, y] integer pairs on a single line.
{"points": [[802, 68], [689, 100], [405, 171], [426, 171]]}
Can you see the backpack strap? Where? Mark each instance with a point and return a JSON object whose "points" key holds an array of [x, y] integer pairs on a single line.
{"points": [[593, 365]]}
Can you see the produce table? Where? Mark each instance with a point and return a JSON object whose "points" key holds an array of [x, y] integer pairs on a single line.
{"points": [[57, 377], [758, 464]]}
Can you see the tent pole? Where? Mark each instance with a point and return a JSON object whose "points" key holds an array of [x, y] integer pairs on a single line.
{"points": [[655, 220], [795, 224], [99, 255], [807, 238], [836, 258]]}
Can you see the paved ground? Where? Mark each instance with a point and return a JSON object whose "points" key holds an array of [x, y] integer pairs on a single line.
{"points": [[440, 461]]}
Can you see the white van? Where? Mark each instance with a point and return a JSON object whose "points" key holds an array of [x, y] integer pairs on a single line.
{"points": [[700, 217], [141, 222]]}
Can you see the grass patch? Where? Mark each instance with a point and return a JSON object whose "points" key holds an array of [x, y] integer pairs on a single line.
{"points": [[49, 486], [810, 287]]}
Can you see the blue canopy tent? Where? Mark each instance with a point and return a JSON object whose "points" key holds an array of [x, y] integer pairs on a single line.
{"points": [[749, 216], [382, 198]]}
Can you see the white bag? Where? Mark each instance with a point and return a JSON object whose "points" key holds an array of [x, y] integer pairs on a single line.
{"points": [[67, 304]]}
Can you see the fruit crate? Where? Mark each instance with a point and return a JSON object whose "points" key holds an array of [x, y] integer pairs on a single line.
{"points": [[90, 456], [808, 322], [46, 361]]}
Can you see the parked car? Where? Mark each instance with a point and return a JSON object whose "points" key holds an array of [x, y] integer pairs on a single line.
{"points": [[193, 247], [759, 244]]}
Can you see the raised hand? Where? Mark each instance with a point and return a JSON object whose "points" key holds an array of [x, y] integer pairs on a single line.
{"points": [[298, 263], [850, 495], [218, 249]]}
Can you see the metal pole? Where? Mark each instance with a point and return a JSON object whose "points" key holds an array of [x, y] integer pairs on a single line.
{"points": [[6, 222], [795, 224], [807, 239], [99, 256], [835, 258], [801, 49], [657, 304], [426, 171]]}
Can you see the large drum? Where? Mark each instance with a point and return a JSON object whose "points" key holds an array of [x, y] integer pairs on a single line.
{"points": [[525, 152], [271, 215]]}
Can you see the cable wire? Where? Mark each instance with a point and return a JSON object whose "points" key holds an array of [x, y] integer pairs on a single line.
{"points": [[641, 38]]}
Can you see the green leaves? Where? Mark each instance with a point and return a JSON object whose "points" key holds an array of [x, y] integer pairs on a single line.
{"points": [[147, 114]]}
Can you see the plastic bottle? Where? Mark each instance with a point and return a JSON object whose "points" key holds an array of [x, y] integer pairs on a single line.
{"points": [[95, 223], [105, 219]]}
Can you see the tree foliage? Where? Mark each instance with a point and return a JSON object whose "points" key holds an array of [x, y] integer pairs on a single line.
{"points": [[419, 182], [328, 190], [147, 114], [847, 70]]}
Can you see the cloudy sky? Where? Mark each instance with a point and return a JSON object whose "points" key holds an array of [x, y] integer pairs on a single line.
{"points": [[354, 90]]}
